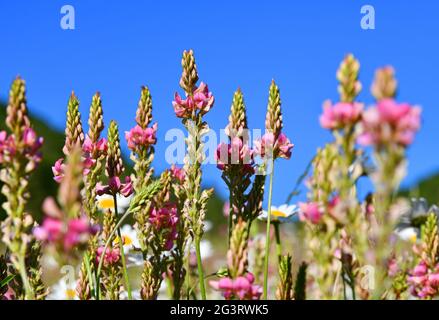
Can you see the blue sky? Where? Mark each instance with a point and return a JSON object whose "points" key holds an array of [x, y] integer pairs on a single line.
{"points": [[119, 45]]}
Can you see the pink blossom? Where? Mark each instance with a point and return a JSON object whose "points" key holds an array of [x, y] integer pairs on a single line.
{"points": [[116, 186], [95, 148], [340, 115], [235, 152], [58, 170], [67, 234], [242, 287], [138, 137], [178, 173], [424, 280], [279, 148], [111, 256], [164, 221], [310, 211], [390, 122], [201, 100]]}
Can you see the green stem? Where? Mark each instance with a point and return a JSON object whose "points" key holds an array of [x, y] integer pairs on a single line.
{"points": [[230, 217], [29, 294], [89, 273], [267, 235], [107, 243], [200, 269], [122, 254], [278, 242]]}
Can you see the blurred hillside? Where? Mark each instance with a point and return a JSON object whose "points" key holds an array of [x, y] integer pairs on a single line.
{"points": [[427, 188], [43, 185]]}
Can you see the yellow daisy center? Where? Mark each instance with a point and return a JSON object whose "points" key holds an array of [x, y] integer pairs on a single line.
{"points": [[277, 213], [127, 240], [106, 203], [70, 293], [413, 238]]}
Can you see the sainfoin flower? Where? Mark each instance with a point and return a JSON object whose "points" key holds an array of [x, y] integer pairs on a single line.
{"points": [[310, 211], [178, 173], [424, 281], [94, 149], [115, 186], [340, 115], [67, 234], [390, 122], [138, 137], [278, 148], [111, 256], [236, 152], [242, 288], [283, 214], [58, 170], [201, 100], [164, 221]]}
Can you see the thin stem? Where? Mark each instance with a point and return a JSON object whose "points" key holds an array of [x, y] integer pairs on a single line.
{"points": [[188, 273], [101, 260], [89, 273], [278, 242], [200, 268], [122, 253], [230, 217], [29, 294], [267, 235]]}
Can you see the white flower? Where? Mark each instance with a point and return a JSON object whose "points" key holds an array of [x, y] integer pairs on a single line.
{"points": [[409, 234], [106, 202], [283, 214], [63, 290], [129, 238]]}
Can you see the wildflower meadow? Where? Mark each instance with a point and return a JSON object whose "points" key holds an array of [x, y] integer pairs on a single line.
{"points": [[106, 221], [99, 210]]}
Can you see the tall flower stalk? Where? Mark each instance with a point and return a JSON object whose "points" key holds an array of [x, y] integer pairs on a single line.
{"points": [[274, 144], [141, 140], [20, 155], [235, 160], [199, 100], [114, 269], [390, 128], [94, 151]]}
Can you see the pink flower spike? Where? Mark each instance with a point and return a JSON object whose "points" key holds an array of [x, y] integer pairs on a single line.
{"points": [[58, 170], [310, 211]]}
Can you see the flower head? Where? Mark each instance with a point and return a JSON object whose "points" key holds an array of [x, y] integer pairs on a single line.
{"points": [[138, 137], [390, 122], [111, 256], [310, 211], [200, 101], [283, 214], [164, 221], [115, 186], [278, 148], [340, 115], [236, 152], [242, 288]]}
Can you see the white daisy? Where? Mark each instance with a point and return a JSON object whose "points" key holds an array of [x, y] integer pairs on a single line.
{"points": [[106, 202], [283, 214], [63, 290], [409, 234], [129, 238]]}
